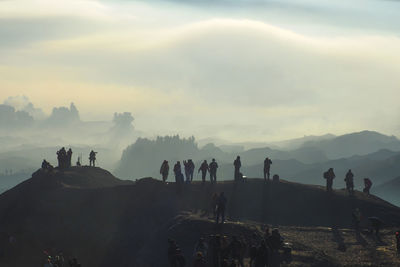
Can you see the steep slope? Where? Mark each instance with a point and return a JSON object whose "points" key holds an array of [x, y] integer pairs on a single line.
{"points": [[88, 213]]}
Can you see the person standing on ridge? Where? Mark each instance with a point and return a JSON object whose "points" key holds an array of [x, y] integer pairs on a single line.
{"points": [[267, 167], [191, 169], [203, 168], [349, 182], [367, 185], [329, 176], [213, 171], [92, 158], [178, 173], [164, 170], [237, 163], [69, 157], [187, 171]]}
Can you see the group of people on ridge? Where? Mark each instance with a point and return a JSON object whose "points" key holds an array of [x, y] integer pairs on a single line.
{"points": [[189, 168], [64, 158], [349, 179], [223, 251], [205, 167]]}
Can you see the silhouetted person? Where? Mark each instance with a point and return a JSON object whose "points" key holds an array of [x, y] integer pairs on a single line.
{"points": [[216, 251], [329, 176], [48, 263], [164, 170], [46, 165], [92, 158], [179, 259], [186, 168], [221, 205], [235, 248], [356, 218], [261, 259], [275, 240], [78, 162], [213, 171], [237, 164], [191, 169], [62, 158], [376, 225], [349, 182], [74, 263], [267, 167], [69, 157], [178, 173], [367, 185], [203, 168], [172, 247], [397, 235], [202, 247], [199, 261]]}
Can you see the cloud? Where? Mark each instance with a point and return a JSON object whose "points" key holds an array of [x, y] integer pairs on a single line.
{"points": [[208, 76], [22, 103]]}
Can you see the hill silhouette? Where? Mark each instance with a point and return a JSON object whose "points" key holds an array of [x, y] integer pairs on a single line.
{"points": [[88, 213]]}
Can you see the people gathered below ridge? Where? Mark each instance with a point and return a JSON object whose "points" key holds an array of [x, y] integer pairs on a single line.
{"points": [[231, 250]]}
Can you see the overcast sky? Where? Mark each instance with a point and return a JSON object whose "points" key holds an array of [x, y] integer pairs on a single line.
{"points": [[241, 70]]}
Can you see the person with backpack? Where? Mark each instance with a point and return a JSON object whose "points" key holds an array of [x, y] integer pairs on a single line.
{"points": [[213, 171], [267, 167], [349, 182], [329, 176], [164, 170], [203, 168], [367, 185]]}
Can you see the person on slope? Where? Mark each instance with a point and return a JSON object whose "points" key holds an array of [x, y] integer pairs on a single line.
{"points": [[349, 182], [164, 170], [329, 176], [367, 185]]}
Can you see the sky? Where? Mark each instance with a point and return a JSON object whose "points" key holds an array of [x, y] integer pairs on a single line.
{"points": [[238, 70]]}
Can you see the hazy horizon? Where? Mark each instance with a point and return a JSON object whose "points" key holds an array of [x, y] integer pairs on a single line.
{"points": [[242, 71]]}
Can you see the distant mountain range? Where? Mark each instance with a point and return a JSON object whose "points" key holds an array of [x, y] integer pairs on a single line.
{"points": [[389, 191], [369, 154]]}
